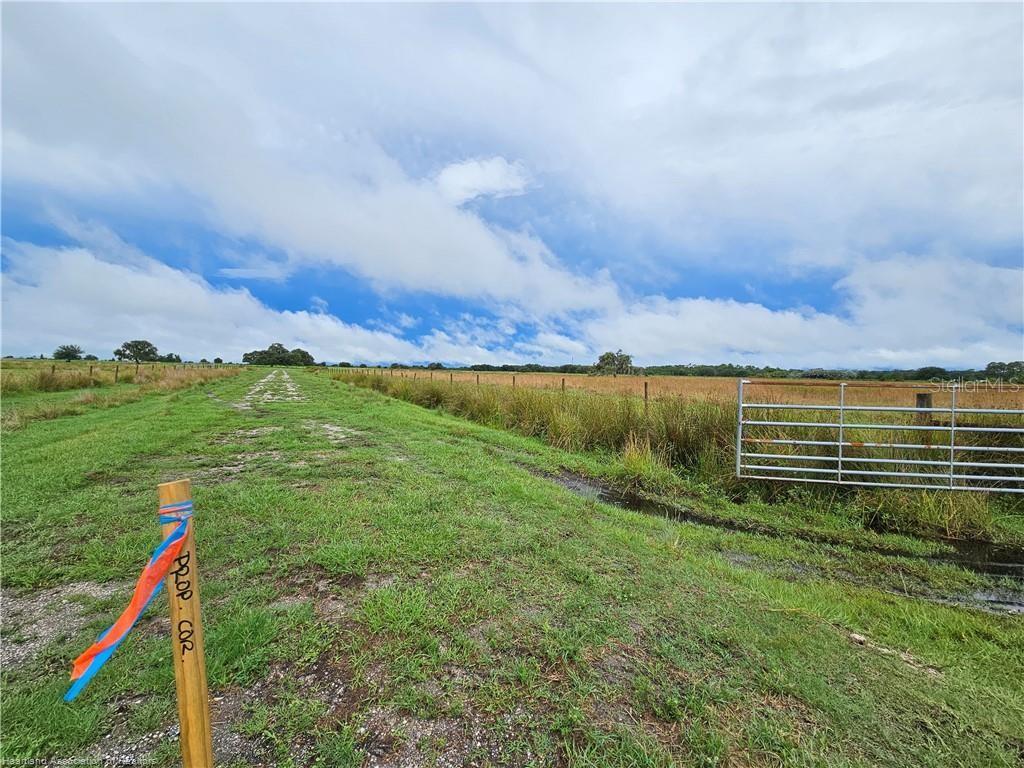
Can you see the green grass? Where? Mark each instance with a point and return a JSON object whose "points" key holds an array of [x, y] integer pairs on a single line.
{"points": [[412, 586], [697, 439]]}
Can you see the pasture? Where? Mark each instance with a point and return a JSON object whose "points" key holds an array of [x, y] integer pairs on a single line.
{"points": [[394, 585], [685, 444], [723, 389]]}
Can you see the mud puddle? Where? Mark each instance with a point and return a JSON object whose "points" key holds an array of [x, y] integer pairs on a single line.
{"points": [[980, 557], [985, 557]]}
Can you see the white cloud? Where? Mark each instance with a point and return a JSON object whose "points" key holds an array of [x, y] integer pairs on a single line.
{"points": [[560, 345], [403, 320], [53, 295], [946, 313], [902, 312], [255, 266], [495, 177], [828, 126], [99, 85]]}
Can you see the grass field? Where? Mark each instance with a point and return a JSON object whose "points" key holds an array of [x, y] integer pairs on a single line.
{"points": [[38, 389], [723, 389], [385, 584], [681, 444], [20, 376]]}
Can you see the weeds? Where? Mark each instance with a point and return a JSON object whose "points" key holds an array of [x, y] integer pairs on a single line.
{"points": [[27, 377], [668, 432], [693, 436], [963, 516], [58, 382], [162, 380], [642, 467]]}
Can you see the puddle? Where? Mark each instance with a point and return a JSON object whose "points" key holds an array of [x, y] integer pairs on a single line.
{"points": [[1002, 600], [980, 557], [985, 557], [597, 491]]}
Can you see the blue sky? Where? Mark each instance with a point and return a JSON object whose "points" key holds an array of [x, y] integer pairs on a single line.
{"points": [[773, 184]]}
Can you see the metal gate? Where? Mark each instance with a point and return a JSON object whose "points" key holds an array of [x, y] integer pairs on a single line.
{"points": [[954, 448]]}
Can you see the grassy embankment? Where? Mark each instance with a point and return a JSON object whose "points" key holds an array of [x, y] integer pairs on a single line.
{"points": [[379, 578], [685, 446]]}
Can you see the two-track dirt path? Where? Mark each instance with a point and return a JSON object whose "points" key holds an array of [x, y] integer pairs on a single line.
{"points": [[276, 387]]}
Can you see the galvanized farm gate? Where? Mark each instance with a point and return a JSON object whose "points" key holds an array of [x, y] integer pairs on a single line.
{"points": [[771, 447]]}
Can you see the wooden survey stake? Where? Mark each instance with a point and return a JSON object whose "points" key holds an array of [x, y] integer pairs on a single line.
{"points": [[187, 640]]}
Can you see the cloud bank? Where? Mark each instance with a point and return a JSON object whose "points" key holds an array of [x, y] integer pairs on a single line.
{"points": [[123, 293]]}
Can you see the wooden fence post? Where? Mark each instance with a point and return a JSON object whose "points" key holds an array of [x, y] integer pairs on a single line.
{"points": [[563, 385], [187, 632], [478, 379], [645, 397], [117, 370], [451, 378], [923, 400], [53, 369], [513, 381]]}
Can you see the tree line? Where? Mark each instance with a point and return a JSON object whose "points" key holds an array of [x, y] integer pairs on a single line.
{"points": [[144, 351], [609, 363], [620, 363], [135, 351], [1010, 371]]}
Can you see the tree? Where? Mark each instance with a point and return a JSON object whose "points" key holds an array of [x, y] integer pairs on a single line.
{"points": [[1013, 371], [169, 358], [278, 354], [218, 360], [614, 362], [435, 366], [931, 372], [138, 351], [605, 363], [68, 352], [90, 357]]}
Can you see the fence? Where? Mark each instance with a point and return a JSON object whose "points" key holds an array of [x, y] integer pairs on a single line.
{"points": [[822, 449]]}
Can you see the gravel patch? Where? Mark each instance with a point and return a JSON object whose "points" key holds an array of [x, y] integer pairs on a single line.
{"points": [[276, 387], [32, 621]]}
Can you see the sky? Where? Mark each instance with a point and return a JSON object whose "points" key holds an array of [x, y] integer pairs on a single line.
{"points": [[772, 184]]}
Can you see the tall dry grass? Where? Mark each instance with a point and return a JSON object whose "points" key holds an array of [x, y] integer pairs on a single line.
{"points": [[723, 389], [697, 435], [27, 376], [93, 391]]}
